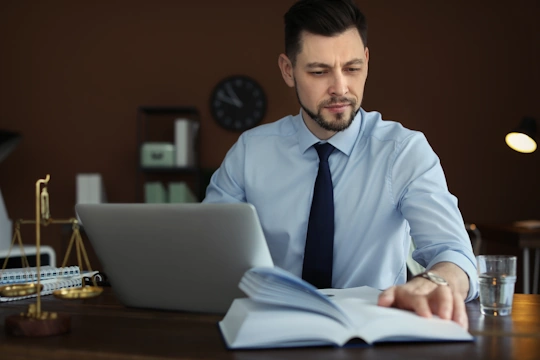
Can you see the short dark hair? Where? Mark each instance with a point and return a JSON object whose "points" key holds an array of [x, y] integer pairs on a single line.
{"points": [[321, 17]]}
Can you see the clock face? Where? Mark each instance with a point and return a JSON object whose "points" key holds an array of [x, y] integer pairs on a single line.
{"points": [[238, 103]]}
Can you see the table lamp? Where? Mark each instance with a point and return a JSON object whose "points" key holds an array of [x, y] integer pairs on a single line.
{"points": [[523, 138], [8, 141]]}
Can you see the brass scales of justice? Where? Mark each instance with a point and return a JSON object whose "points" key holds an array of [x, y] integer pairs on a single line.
{"points": [[36, 322]]}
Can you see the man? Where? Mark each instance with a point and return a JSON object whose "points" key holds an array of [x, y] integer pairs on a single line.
{"points": [[385, 181]]}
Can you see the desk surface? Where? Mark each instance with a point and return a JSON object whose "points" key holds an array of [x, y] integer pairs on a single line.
{"points": [[104, 329]]}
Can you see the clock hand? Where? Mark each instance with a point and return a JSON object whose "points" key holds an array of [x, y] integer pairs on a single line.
{"points": [[233, 95], [226, 99]]}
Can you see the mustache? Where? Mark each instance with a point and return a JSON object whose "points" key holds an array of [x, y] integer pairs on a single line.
{"points": [[338, 100]]}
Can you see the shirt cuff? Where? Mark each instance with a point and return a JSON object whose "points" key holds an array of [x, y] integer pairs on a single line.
{"points": [[465, 264]]}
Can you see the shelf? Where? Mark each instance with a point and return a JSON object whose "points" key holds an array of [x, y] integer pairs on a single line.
{"points": [[157, 124], [156, 110], [169, 169]]}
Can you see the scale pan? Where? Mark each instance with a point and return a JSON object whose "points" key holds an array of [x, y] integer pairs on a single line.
{"points": [[19, 290], [85, 292]]}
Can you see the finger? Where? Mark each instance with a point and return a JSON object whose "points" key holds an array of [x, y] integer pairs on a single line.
{"points": [[460, 312], [387, 297], [417, 303], [404, 299], [441, 301]]}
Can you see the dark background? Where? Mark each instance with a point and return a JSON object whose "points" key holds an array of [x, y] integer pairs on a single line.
{"points": [[72, 75]]}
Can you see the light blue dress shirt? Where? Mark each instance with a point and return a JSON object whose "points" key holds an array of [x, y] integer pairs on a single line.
{"points": [[388, 186]]}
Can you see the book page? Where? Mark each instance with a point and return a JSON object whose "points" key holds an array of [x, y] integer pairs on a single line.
{"points": [[279, 287], [250, 324], [365, 293], [375, 324]]}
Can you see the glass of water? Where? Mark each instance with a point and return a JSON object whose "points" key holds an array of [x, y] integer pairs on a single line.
{"points": [[497, 277]]}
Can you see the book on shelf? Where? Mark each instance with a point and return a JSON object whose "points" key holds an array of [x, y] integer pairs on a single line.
{"points": [[185, 136], [179, 192], [285, 311], [155, 193], [90, 189]]}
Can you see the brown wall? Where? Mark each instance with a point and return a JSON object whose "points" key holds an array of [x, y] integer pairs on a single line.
{"points": [[73, 73]]}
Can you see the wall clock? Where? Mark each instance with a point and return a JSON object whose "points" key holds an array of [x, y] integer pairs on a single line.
{"points": [[238, 103]]}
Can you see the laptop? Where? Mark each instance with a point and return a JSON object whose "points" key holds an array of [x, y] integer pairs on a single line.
{"points": [[187, 257]]}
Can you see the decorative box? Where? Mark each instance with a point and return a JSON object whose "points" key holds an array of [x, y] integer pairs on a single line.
{"points": [[157, 154]]}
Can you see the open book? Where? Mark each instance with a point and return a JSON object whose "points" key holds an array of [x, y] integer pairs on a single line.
{"points": [[285, 311]]}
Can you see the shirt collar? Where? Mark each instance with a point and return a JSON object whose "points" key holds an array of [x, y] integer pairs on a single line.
{"points": [[343, 140]]}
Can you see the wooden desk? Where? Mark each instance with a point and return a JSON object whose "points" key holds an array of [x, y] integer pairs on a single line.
{"points": [[497, 236], [104, 329]]}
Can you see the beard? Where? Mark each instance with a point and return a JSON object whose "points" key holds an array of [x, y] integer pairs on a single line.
{"points": [[340, 122]]}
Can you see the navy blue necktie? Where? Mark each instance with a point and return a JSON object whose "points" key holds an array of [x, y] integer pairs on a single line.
{"points": [[319, 249]]}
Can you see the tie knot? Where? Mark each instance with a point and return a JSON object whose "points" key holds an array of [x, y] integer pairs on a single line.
{"points": [[324, 150]]}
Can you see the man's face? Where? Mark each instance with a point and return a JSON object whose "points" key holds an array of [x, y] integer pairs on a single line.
{"points": [[329, 77]]}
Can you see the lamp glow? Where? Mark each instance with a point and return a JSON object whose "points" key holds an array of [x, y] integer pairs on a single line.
{"points": [[520, 142], [523, 139]]}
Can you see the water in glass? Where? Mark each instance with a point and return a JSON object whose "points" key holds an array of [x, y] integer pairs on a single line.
{"points": [[496, 294]]}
